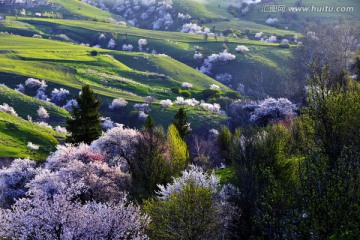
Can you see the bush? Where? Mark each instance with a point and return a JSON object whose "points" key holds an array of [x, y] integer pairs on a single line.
{"points": [[286, 45], [186, 94], [175, 90], [232, 94], [210, 93], [94, 53]]}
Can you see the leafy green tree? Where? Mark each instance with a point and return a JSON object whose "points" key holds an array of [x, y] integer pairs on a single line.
{"points": [[181, 123], [264, 173], [149, 166], [329, 175], [334, 111], [225, 144], [189, 214], [330, 198], [178, 151], [84, 124]]}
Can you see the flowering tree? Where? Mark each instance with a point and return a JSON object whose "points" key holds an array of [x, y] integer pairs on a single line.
{"points": [[273, 109], [40, 94], [224, 57], [142, 43], [215, 108], [32, 146], [64, 217], [259, 35], [116, 145], [127, 47], [198, 55], [58, 96], [61, 130], [142, 115], [107, 123], [214, 87], [35, 83], [7, 109], [64, 154], [186, 85], [20, 88], [224, 78], [70, 104], [272, 21], [187, 102], [111, 44], [14, 179], [118, 103], [166, 103], [142, 107], [149, 99], [42, 113], [242, 49]]}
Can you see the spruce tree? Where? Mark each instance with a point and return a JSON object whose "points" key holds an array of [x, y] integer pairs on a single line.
{"points": [[84, 123], [181, 123], [149, 124]]}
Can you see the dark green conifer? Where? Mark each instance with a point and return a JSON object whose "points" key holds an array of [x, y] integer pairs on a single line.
{"points": [[84, 123], [181, 123]]}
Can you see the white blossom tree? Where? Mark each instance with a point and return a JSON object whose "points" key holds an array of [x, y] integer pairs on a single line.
{"points": [[7, 109], [62, 216], [117, 145], [42, 113], [166, 103], [118, 103], [13, 180]]}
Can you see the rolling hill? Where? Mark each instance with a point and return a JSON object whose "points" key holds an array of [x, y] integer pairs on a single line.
{"points": [[62, 52], [15, 133]]}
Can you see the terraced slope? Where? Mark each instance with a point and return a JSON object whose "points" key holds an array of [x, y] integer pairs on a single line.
{"points": [[182, 47]]}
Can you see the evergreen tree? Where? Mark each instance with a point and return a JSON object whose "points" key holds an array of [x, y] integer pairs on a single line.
{"points": [[149, 124], [84, 124], [181, 123]]}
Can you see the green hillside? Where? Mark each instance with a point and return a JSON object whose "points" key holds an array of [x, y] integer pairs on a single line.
{"points": [[15, 133], [180, 47], [29, 105], [70, 66], [69, 9]]}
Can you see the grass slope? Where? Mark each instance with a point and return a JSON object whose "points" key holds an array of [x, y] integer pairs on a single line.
{"points": [[70, 66], [15, 133], [69, 9]]}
